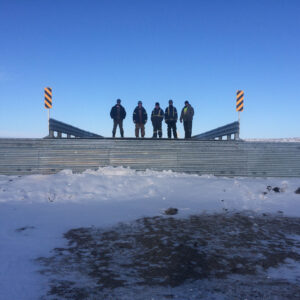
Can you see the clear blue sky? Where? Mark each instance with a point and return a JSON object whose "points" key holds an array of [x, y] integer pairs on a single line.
{"points": [[95, 51]]}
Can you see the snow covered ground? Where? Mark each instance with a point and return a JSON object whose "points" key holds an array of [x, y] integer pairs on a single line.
{"points": [[282, 140], [37, 210]]}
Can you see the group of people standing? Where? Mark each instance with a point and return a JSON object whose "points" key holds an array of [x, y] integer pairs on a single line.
{"points": [[140, 117]]}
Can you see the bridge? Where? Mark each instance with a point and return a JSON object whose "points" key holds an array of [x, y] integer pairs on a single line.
{"points": [[206, 153]]}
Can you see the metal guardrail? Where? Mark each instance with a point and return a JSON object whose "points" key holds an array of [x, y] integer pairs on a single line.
{"points": [[63, 128], [219, 158], [218, 133]]}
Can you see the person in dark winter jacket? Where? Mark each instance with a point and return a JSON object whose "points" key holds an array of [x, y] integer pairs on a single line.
{"points": [[171, 118], [140, 119], [157, 117], [186, 116], [118, 114]]}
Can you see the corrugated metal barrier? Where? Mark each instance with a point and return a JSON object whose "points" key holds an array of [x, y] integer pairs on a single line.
{"points": [[220, 158], [218, 133]]}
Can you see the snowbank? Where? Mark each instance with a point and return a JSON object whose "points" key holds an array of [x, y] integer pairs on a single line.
{"points": [[152, 191]]}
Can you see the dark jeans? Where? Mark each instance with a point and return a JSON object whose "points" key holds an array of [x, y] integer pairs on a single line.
{"points": [[172, 126], [157, 128], [116, 123], [187, 129]]}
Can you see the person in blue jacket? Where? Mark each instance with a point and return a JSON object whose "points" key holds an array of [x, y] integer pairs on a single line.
{"points": [[171, 118], [157, 117], [118, 114]]}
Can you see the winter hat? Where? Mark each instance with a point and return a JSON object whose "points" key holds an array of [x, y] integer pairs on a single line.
{"points": [[170, 101], [118, 100], [156, 104], [186, 102], [140, 102]]}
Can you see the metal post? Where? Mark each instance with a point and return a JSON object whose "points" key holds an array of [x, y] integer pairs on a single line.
{"points": [[49, 121], [238, 135]]}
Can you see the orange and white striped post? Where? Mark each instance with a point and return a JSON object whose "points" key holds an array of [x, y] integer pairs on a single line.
{"points": [[239, 103], [48, 101]]}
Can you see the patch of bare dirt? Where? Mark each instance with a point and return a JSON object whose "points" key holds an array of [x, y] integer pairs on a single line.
{"points": [[166, 253]]}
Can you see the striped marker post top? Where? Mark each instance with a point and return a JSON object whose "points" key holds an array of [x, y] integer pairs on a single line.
{"points": [[239, 100], [48, 98]]}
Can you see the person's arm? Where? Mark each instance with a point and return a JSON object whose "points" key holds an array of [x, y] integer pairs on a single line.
{"points": [[111, 113], [181, 116], [146, 116], [152, 117], [162, 114], [175, 114], [124, 113], [134, 116], [166, 115]]}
